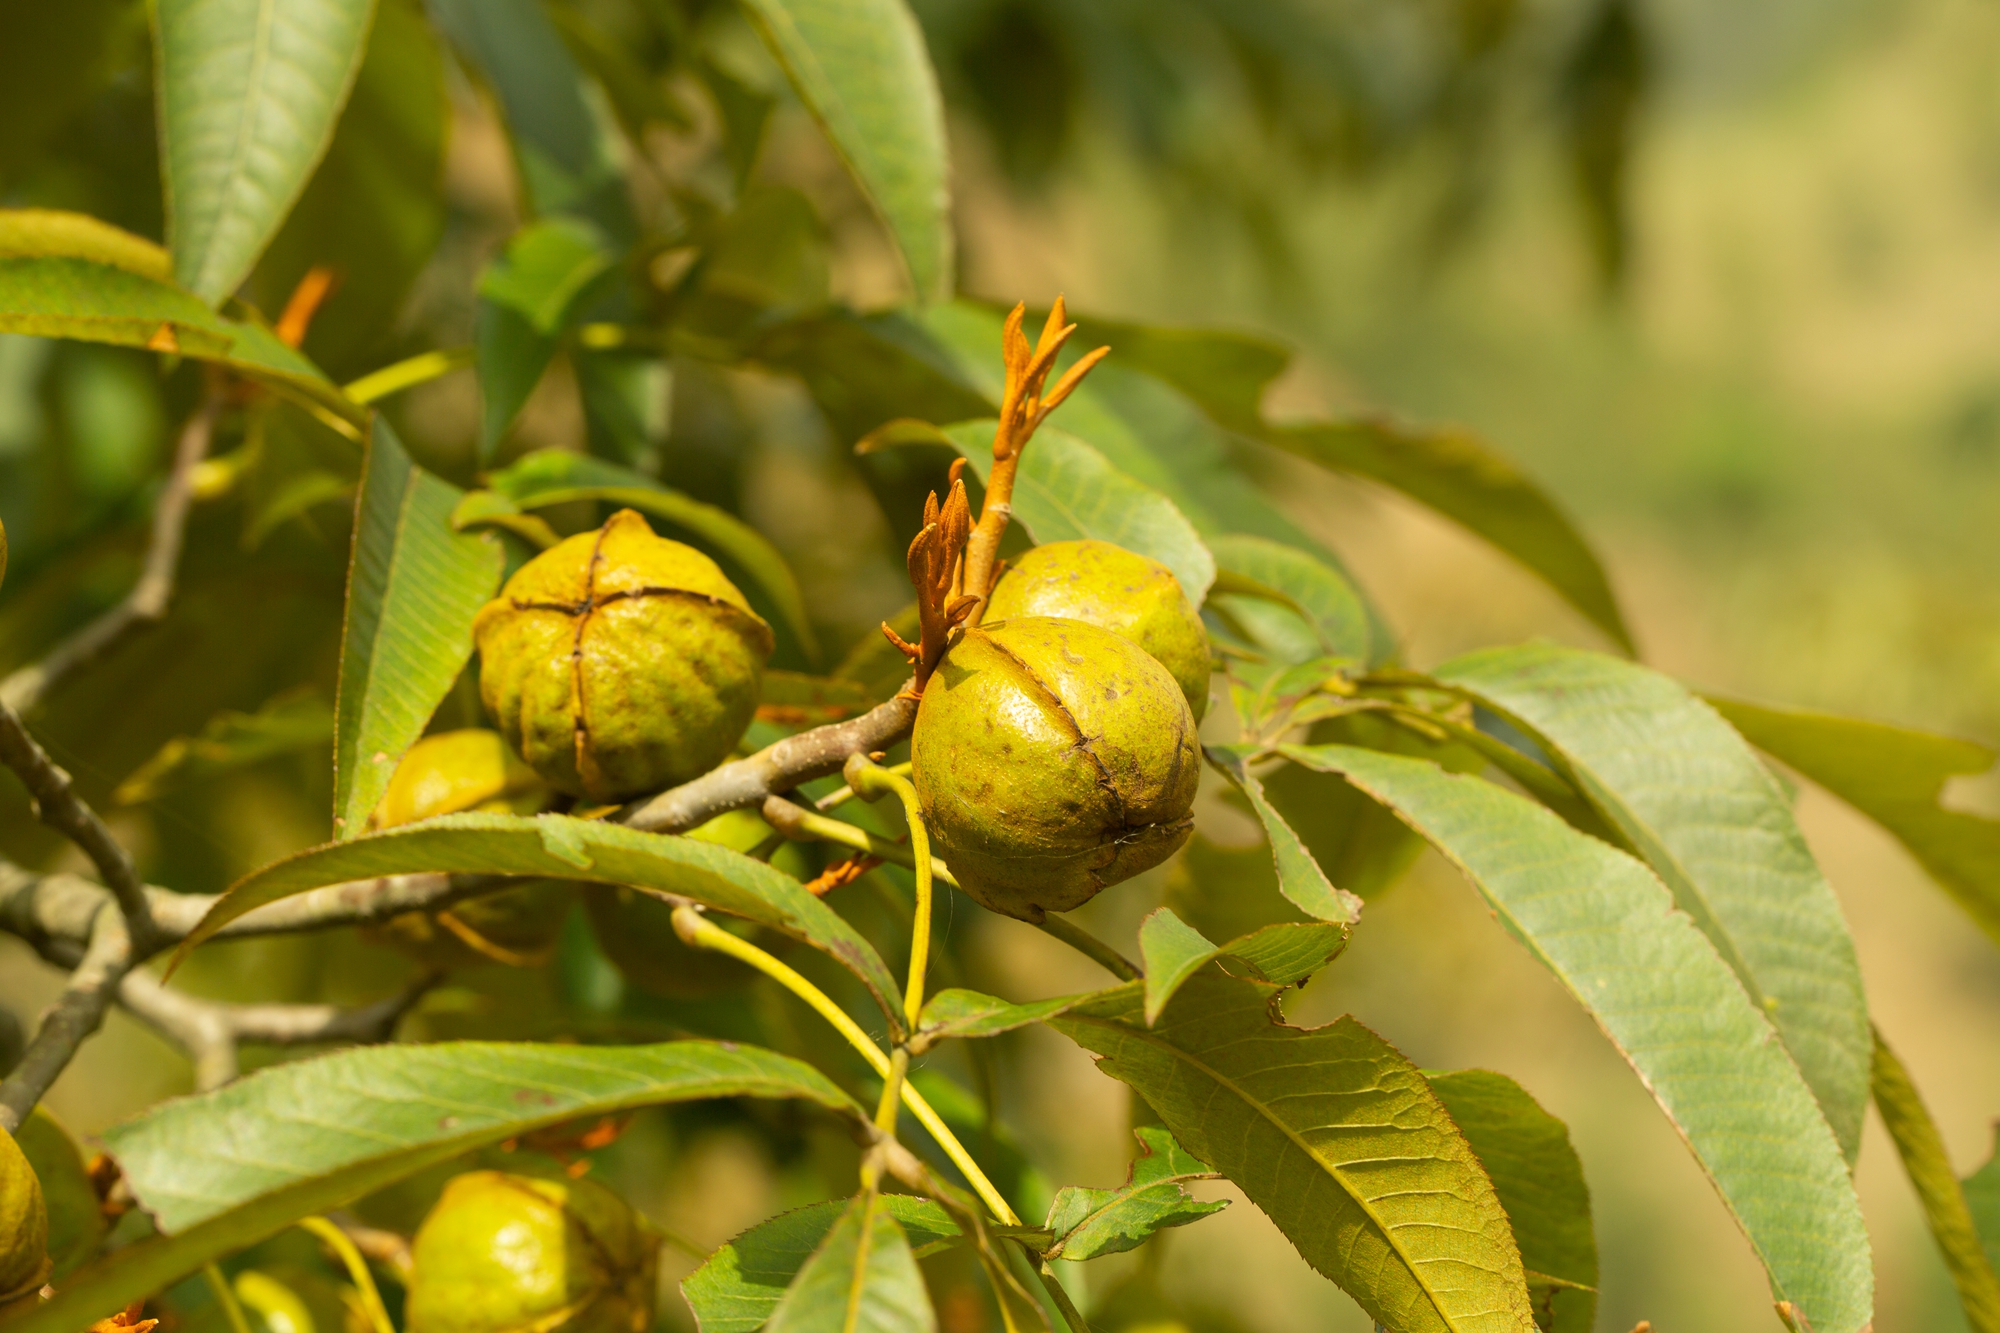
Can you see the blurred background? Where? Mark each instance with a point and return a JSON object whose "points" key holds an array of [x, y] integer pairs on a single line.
{"points": [[1725, 279]]}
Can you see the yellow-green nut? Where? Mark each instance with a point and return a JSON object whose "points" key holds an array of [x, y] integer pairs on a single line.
{"points": [[618, 662], [1052, 758], [519, 1254], [76, 1219], [24, 1224], [456, 772], [1118, 590]]}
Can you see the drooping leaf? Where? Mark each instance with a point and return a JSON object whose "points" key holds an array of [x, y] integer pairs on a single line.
{"points": [[1982, 1197], [249, 93], [527, 299], [740, 1285], [861, 1279], [567, 159], [1172, 951], [1527, 1153], [294, 721], [1088, 1223], [413, 586], [1335, 1136], [556, 476], [1688, 793], [964, 1013], [1896, 777], [1608, 929], [223, 1170], [558, 846], [1326, 616], [861, 69], [1945, 1205], [1283, 953], [1299, 877], [1065, 490], [1459, 476]]}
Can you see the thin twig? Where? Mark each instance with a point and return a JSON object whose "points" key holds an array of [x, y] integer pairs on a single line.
{"points": [[70, 1021], [147, 602]]}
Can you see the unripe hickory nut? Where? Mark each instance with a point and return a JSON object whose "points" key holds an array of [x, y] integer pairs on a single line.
{"points": [[1052, 758], [1114, 589], [618, 662], [76, 1221], [519, 1254], [24, 1225]]}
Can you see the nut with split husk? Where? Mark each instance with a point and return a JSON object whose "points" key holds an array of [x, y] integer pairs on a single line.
{"points": [[1052, 758], [24, 1226], [1118, 590], [617, 662], [457, 772], [509, 1254]]}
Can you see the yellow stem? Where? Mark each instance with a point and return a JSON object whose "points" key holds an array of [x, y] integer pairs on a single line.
{"points": [[357, 1269], [232, 1309], [702, 933], [828, 829], [871, 781], [407, 374]]}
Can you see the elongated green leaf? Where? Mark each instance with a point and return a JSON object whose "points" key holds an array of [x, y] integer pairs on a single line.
{"points": [[556, 476], [739, 1287], [861, 1279], [1172, 951], [1982, 1197], [965, 1013], [1328, 617], [1065, 490], [249, 93], [413, 587], [1456, 474], [1536, 1172], [294, 721], [1088, 1223], [226, 1169], [527, 299], [1945, 1207], [565, 848], [1335, 1136], [1607, 928], [1224, 371], [1695, 801], [1299, 877], [1896, 777], [861, 69], [1284, 953]]}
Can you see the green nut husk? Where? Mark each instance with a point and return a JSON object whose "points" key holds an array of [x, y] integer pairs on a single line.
{"points": [[618, 662], [1052, 758], [24, 1225], [76, 1220], [1115, 589], [519, 1254], [452, 773]]}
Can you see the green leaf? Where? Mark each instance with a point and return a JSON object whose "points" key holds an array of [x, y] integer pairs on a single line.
{"points": [[1608, 929], [1896, 777], [1226, 373], [1283, 953], [1299, 877], [1945, 1205], [565, 848], [556, 476], [1328, 617], [64, 275], [861, 1279], [527, 300], [294, 721], [413, 587], [249, 92], [1335, 1136], [1706, 814], [1172, 951], [793, 689], [1540, 1181], [1456, 474], [223, 1170], [1982, 1197], [966, 1013], [567, 158], [1065, 490], [1088, 1223], [738, 1288], [861, 69]]}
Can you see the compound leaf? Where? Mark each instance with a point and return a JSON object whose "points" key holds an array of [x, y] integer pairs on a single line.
{"points": [[1088, 1223], [861, 1279]]}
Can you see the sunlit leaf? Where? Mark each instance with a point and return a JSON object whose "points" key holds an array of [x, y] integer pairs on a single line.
{"points": [[1297, 606], [1540, 1181], [1335, 1136], [414, 584], [1607, 928], [223, 1170], [862, 1278], [861, 69], [1299, 877], [249, 93], [1694, 800], [1088, 1223], [1283, 953]]}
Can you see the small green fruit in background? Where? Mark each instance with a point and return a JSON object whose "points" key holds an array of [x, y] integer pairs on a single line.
{"points": [[504, 1253], [1052, 758], [452, 773], [618, 662], [76, 1221], [276, 1306], [636, 930], [24, 1225], [1114, 589]]}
